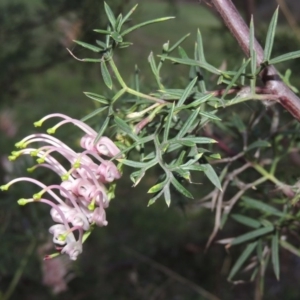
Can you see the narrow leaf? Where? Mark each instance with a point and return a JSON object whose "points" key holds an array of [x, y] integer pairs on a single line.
{"points": [[210, 115], [212, 176], [275, 255], [201, 56], [192, 62], [189, 122], [119, 23], [101, 44], [258, 144], [284, 57], [144, 24], [187, 92], [252, 235], [180, 188], [129, 14], [168, 123], [124, 127], [94, 113], [117, 37], [290, 247], [198, 140], [106, 75], [96, 97], [108, 32], [236, 77], [193, 167], [136, 164], [262, 206], [88, 46], [178, 43], [270, 36], [110, 15], [154, 68], [243, 257], [246, 221], [197, 102], [182, 53], [153, 200], [102, 129], [157, 187], [167, 195]]}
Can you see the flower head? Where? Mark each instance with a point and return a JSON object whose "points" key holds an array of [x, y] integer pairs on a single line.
{"points": [[82, 195]]}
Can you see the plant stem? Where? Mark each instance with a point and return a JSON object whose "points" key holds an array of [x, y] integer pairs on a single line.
{"points": [[130, 90], [145, 96], [116, 71]]}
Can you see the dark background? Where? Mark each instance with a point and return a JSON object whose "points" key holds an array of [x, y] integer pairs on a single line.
{"points": [[144, 253]]}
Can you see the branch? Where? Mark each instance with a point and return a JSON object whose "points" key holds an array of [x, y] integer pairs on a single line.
{"points": [[270, 77]]}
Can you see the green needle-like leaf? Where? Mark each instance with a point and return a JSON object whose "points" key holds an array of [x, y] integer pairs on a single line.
{"points": [[187, 92], [252, 235], [154, 69], [262, 207], [144, 24], [287, 246], [192, 62], [180, 188], [102, 129], [243, 257], [96, 97], [212, 176], [167, 194], [178, 43], [128, 14], [88, 46], [188, 123], [94, 113], [270, 37], [124, 127], [157, 187], [210, 115], [284, 57], [106, 75], [258, 144], [275, 255], [110, 15], [246, 221], [136, 164], [168, 123], [236, 77], [201, 56], [108, 32]]}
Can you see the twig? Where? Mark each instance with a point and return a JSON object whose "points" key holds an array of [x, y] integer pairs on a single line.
{"points": [[270, 76], [218, 216]]}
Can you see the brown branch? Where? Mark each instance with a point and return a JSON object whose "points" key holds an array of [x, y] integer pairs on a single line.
{"points": [[270, 77]]}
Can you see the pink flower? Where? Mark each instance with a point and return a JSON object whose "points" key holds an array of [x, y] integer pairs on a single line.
{"points": [[82, 196]]}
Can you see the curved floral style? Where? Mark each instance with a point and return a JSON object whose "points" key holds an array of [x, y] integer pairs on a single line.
{"points": [[81, 198]]}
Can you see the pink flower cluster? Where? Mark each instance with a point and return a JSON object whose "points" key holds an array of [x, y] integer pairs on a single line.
{"points": [[81, 197]]}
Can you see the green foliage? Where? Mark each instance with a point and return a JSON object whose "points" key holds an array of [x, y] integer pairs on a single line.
{"points": [[166, 128], [177, 134]]}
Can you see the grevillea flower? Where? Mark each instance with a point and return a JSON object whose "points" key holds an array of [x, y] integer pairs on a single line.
{"points": [[80, 200]]}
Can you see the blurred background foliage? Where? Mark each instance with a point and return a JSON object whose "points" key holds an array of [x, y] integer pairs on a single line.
{"points": [[144, 253]]}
